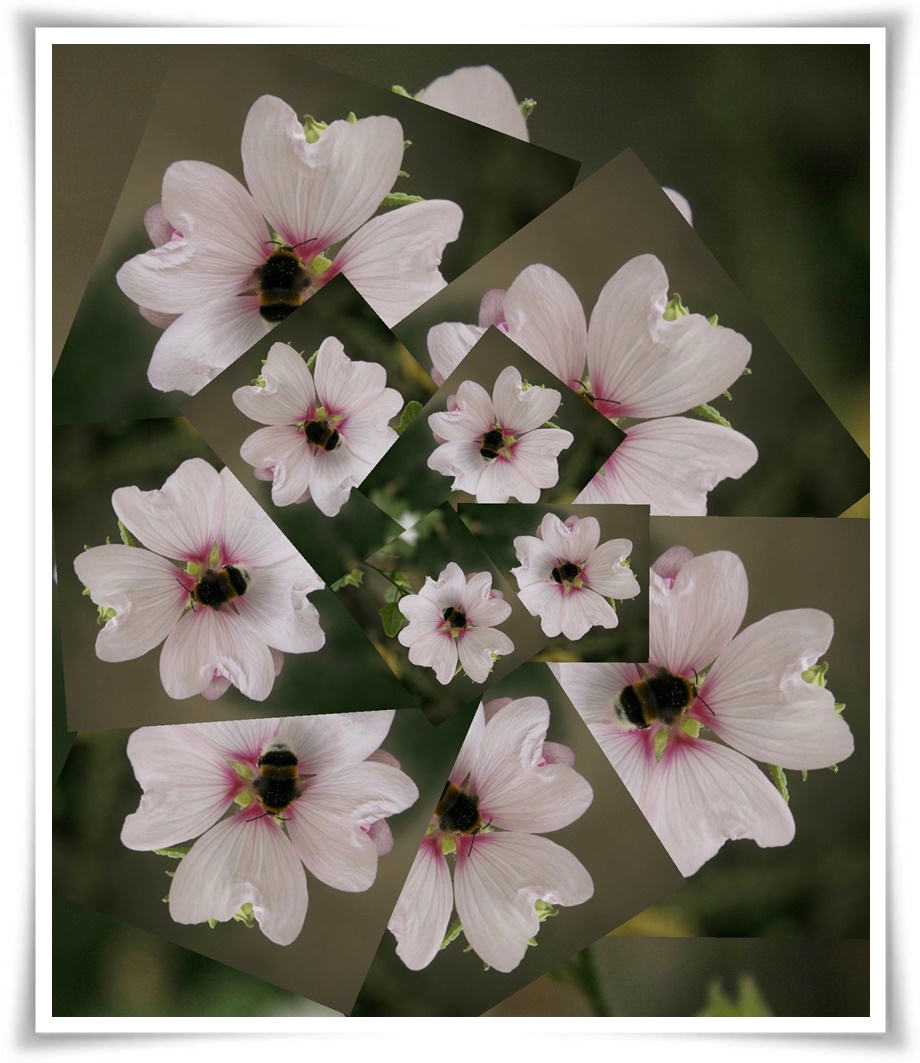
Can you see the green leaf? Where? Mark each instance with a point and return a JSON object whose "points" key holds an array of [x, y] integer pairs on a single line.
{"points": [[710, 413], [174, 852], [779, 780], [412, 410], [392, 618], [126, 537], [400, 199], [351, 579]]}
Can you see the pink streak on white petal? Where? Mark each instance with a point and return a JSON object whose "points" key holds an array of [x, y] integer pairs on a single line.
{"points": [[422, 913]]}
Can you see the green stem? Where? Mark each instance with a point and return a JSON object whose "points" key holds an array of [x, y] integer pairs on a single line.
{"points": [[386, 575]]}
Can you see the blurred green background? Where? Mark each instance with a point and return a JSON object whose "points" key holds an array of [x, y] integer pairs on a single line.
{"points": [[770, 145]]}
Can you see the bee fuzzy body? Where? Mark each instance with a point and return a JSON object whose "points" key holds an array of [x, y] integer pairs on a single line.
{"points": [[282, 280], [660, 697], [565, 572], [278, 783], [321, 434], [454, 617], [219, 587], [491, 445], [458, 812]]}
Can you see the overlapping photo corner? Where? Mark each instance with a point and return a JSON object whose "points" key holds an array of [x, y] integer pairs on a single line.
{"points": [[376, 512]]}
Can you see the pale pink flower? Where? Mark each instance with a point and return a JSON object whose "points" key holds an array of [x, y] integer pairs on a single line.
{"points": [[507, 787], [217, 580], [323, 817], [212, 242], [495, 448], [629, 362], [481, 94], [326, 430], [567, 579], [747, 688], [453, 620]]}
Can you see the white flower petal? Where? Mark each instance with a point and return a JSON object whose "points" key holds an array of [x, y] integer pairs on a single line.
{"points": [[583, 609], [205, 642], [248, 536], [643, 366], [468, 756], [681, 202], [520, 411], [503, 479], [472, 415], [181, 519], [605, 573], [476, 646], [537, 561], [288, 396], [594, 688], [516, 790], [393, 260], [142, 588], [276, 608], [284, 450], [536, 454], [479, 94], [692, 620], [224, 238], [187, 786], [419, 920], [760, 702], [545, 600], [326, 824], [483, 606], [671, 464], [546, 318], [317, 194], [448, 344], [575, 540], [202, 342], [242, 860], [497, 885], [437, 651], [702, 794]]}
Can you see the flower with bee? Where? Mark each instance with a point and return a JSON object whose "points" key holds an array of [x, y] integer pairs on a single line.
{"points": [[213, 577]]}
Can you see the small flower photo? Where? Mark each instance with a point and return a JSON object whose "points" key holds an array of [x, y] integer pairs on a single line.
{"points": [[181, 600], [443, 617], [619, 298], [278, 846], [500, 429], [578, 569], [509, 879], [305, 415], [744, 735], [260, 177]]}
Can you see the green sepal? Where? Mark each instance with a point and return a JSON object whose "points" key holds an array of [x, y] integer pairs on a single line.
{"points": [[86, 592], [412, 410], [243, 799], [660, 743], [545, 910], [455, 931], [691, 728], [400, 91], [778, 776], [674, 308], [351, 118], [311, 361], [833, 768], [392, 618], [400, 199], [408, 143], [174, 852], [126, 537], [528, 107], [401, 173], [816, 675], [246, 916], [243, 770], [258, 382], [804, 774], [319, 264], [710, 413], [448, 844], [839, 706], [312, 129], [104, 615], [351, 579], [212, 923], [750, 1002], [714, 321]]}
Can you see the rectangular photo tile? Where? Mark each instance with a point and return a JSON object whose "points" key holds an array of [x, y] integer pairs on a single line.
{"points": [[580, 569], [261, 176], [615, 293], [510, 875], [304, 416], [181, 601], [442, 615], [499, 428], [276, 846]]}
